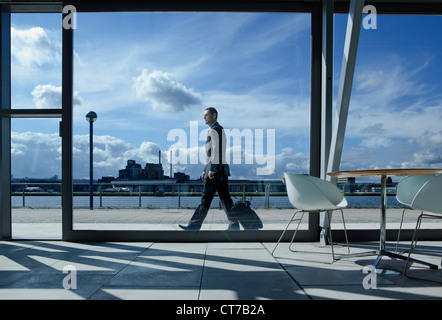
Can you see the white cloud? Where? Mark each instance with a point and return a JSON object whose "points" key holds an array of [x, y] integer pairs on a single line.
{"points": [[49, 96], [38, 155], [110, 155], [431, 139], [35, 155], [391, 112], [33, 47], [391, 105], [428, 151], [425, 158], [287, 160], [425, 151], [290, 161], [260, 109], [164, 92], [376, 142], [389, 100], [383, 82]]}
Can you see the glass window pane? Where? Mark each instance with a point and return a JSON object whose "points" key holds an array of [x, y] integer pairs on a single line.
{"points": [[149, 77], [395, 108], [36, 179], [35, 61]]}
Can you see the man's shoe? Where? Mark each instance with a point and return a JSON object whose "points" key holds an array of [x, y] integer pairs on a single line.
{"points": [[187, 228]]}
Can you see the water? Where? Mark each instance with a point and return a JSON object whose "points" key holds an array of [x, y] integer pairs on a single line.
{"points": [[164, 202]]}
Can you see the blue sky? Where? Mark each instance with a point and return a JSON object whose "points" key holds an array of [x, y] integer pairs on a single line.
{"points": [[146, 74]]}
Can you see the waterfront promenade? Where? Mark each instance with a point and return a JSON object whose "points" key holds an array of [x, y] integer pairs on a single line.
{"points": [[46, 222]]}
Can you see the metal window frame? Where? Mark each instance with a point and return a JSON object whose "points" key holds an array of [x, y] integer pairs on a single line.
{"points": [[320, 106], [165, 235], [5, 125]]}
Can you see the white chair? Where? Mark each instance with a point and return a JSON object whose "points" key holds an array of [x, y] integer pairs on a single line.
{"points": [[311, 194], [428, 199], [405, 192]]}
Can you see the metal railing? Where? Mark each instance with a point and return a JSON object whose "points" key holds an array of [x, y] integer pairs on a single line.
{"points": [[242, 191], [238, 190]]}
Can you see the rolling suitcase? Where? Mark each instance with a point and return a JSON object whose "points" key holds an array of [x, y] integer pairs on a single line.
{"points": [[247, 217]]}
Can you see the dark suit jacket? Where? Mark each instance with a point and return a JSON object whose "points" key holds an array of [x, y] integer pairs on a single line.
{"points": [[216, 151]]}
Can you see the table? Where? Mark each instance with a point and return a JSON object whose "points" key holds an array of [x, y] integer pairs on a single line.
{"points": [[384, 173]]}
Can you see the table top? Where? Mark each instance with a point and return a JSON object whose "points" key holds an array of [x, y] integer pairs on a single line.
{"points": [[384, 172]]}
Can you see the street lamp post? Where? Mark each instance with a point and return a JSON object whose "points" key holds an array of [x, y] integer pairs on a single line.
{"points": [[91, 117]]}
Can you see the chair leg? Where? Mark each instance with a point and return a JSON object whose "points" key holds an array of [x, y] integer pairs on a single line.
{"points": [[413, 241], [297, 228], [296, 231], [330, 236], [345, 231], [400, 228], [280, 238]]}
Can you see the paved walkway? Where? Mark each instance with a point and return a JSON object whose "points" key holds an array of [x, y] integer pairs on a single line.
{"points": [[205, 271], [45, 223], [199, 271]]}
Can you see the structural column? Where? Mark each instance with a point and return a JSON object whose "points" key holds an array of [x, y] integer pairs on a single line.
{"points": [[332, 139], [345, 83], [326, 100], [66, 131], [5, 125], [315, 109], [326, 82]]}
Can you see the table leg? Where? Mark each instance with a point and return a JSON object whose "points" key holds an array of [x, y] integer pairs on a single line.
{"points": [[383, 218], [383, 233]]}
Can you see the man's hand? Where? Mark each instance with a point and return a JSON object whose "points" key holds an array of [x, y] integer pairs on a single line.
{"points": [[202, 175], [211, 175]]}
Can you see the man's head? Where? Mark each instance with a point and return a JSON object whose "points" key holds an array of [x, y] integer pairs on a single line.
{"points": [[210, 115]]}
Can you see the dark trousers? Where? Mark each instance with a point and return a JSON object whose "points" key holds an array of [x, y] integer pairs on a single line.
{"points": [[211, 186]]}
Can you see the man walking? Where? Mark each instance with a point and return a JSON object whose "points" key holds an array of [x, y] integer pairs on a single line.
{"points": [[215, 175]]}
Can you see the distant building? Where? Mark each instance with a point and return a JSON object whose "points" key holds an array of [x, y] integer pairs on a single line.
{"points": [[153, 171], [346, 180], [181, 177], [133, 171]]}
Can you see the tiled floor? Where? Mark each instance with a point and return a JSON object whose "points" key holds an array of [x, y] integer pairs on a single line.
{"points": [[205, 271]]}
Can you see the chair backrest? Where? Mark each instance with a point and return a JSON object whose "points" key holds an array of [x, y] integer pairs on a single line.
{"points": [[310, 193], [409, 186], [429, 197]]}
